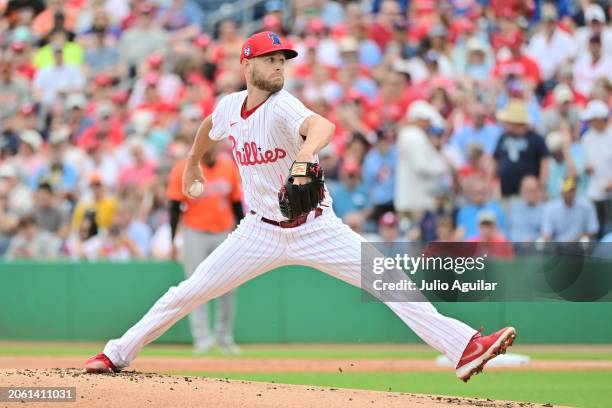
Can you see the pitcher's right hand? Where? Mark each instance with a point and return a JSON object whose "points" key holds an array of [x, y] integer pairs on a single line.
{"points": [[191, 173]]}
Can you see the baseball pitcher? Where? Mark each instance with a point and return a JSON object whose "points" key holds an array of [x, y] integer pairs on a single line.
{"points": [[275, 140]]}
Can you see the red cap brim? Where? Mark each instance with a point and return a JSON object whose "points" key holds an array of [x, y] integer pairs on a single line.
{"points": [[263, 43], [289, 53]]}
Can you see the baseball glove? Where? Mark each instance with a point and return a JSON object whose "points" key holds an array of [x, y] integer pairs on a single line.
{"points": [[295, 200]]}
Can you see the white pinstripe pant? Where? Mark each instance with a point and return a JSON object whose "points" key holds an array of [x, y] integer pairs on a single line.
{"points": [[255, 247]]}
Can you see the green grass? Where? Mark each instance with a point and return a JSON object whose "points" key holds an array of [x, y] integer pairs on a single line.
{"points": [[305, 352], [574, 388], [590, 389]]}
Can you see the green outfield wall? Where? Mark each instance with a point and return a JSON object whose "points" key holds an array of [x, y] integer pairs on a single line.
{"points": [[83, 301]]}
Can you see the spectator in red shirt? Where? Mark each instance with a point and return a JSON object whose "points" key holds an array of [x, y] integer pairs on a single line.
{"points": [[227, 51], [390, 105], [514, 8], [106, 129], [120, 99], [152, 100], [22, 61], [566, 76], [350, 112], [168, 84], [304, 69], [101, 90], [141, 172], [491, 242], [199, 92], [517, 63], [381, 31], [476, 163]]}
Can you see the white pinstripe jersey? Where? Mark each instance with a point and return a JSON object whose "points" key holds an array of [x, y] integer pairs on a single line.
{"points": [[264, 145]]}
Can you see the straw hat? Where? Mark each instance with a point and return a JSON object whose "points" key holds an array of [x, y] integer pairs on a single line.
{"points": [[514, 112]]}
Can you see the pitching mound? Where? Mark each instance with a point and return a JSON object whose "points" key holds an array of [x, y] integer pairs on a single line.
{"points": [[135, 389]]}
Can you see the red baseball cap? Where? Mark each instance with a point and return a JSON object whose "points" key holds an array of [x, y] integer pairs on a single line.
{"points": [[514, 39], [388, 219], [155, 60], [17, 46], [202, 40], [27, 109], [316, 25], [263, 43], [272, 22], [146, 8], [103, 79], [120, 96], [350, 166], [152, 78]]}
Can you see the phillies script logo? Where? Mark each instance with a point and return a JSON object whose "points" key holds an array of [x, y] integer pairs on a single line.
{"points": [[250, 154]]}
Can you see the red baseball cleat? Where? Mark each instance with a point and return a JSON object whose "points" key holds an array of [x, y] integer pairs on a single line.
{"points": [[482, 349], [100, 363]]}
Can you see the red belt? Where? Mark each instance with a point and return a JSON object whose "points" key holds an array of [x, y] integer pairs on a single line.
{"points": [[296, 222]]}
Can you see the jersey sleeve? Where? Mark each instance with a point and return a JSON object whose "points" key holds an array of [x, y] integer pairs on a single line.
{"points": [[292, 113], [220, 126]]}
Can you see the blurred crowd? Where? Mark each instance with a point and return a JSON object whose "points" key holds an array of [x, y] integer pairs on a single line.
{"points": [[456, 120]]}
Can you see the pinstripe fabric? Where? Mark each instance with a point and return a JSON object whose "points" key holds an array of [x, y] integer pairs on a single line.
{"points": [[259, 248], [332, 247], [273, 127], [255, 247]]}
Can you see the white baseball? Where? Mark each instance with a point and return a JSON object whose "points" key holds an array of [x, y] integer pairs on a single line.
{"points": [[196, 188]]}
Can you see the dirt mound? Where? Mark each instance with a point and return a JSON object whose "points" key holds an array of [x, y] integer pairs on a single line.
{"points": [[136, 389], [286, 365]]}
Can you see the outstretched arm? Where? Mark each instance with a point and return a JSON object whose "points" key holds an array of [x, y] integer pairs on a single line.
{"points": [[201, 144]]}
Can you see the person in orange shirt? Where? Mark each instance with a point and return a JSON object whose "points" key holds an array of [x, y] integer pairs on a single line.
{"points": [[206, 221], [59, 13]]}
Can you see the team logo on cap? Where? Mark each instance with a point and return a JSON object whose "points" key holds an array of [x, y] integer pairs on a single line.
{"points": [[274, 38], [247, 51]]}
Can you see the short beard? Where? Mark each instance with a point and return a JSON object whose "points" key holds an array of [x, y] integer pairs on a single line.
{"points": [[266, 85]]}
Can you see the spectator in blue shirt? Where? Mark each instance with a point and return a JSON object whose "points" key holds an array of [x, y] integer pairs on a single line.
{"points": [[350, 71], [479, 131], [63, 177], [379, 173], [525, 215], [349, 194], [478, 194], [569, 218], [445, 208], [131, 228], [566, 161]]}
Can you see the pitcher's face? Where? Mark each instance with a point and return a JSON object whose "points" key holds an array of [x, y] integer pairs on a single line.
{"points": [[267, 72]]}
